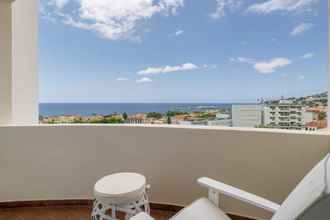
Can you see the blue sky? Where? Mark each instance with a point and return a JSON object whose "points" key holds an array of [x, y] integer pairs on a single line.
{"points": [[181, 50]]}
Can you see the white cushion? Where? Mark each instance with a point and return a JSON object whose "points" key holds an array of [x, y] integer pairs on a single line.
{"points": [[310, 200], [141, 216], [201, 209], [120, 188]]}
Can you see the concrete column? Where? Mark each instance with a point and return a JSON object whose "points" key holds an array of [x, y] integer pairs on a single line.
{"points": [[25, 62], [5, 62]]}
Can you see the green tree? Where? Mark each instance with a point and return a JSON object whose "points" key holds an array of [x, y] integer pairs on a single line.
{"points": [[125, 116], [112, 120], [169, 121], [322, 115], [154, 115], [174, 113]]}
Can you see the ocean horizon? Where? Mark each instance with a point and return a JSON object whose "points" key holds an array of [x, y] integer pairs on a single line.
{"points": [[85, 109]]}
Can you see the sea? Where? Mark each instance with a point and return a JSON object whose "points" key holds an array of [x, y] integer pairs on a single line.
{"points": [[86, 109]]}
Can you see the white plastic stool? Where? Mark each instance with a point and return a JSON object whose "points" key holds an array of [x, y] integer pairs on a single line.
{"points": [[125, 192]]}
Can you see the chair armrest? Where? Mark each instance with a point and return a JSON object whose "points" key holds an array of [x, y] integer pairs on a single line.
{"points": [[142, 216], [241, 195]]}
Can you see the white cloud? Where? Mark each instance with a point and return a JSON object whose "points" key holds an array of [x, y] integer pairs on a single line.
{"points": [[213, 66], [144, 80], [272, 65], [167, 69], [171, 6], [58, 3], [122, 79], [113, 19], [301, 77], [264, 67], [44, 14], [178, 33], [243, 60], [301, 28], [246, 60], [307, 55], [282, 5], [223, 5]]}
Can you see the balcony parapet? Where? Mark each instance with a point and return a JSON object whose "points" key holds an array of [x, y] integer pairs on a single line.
{"points": [[70, 158]]}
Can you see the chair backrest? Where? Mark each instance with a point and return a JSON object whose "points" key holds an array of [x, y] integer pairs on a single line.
{"points": [[310, 200]]}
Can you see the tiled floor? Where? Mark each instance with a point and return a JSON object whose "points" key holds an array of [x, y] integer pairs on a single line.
{"points": [[66, 213]]}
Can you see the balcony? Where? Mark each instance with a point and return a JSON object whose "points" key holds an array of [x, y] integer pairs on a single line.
{"points": [[63, 162], [59, 164], [284, 119]]}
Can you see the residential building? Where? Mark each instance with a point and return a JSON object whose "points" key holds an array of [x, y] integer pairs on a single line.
{"points": [[222, 122], [246, 115], [287, 115], [221, 116], [137, 119]]}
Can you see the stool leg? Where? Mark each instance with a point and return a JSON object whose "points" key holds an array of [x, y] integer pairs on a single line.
{"points": [[94, 211], [99, 211], [142, 205], [113, 212], [146, 203]]}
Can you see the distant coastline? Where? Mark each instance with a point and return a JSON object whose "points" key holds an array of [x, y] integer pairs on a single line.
{"points": [[87, 109]]}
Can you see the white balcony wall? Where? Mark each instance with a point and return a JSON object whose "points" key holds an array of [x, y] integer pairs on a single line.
{"points": [[25, 62], [56, 162]]}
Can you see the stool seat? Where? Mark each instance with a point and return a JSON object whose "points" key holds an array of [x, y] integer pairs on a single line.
{"points": [[120, 188]]}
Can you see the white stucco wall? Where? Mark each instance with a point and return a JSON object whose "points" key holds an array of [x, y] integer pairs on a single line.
{"points": [[56, 162], [5, 62], [25, 62]]}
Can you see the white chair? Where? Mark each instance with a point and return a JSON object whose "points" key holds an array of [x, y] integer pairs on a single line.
{"points": [[310, 200]]}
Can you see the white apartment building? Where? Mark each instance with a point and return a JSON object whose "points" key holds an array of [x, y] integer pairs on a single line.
{"points": [[220, 122], [287, 115], [247, 115], [222, 116]]}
